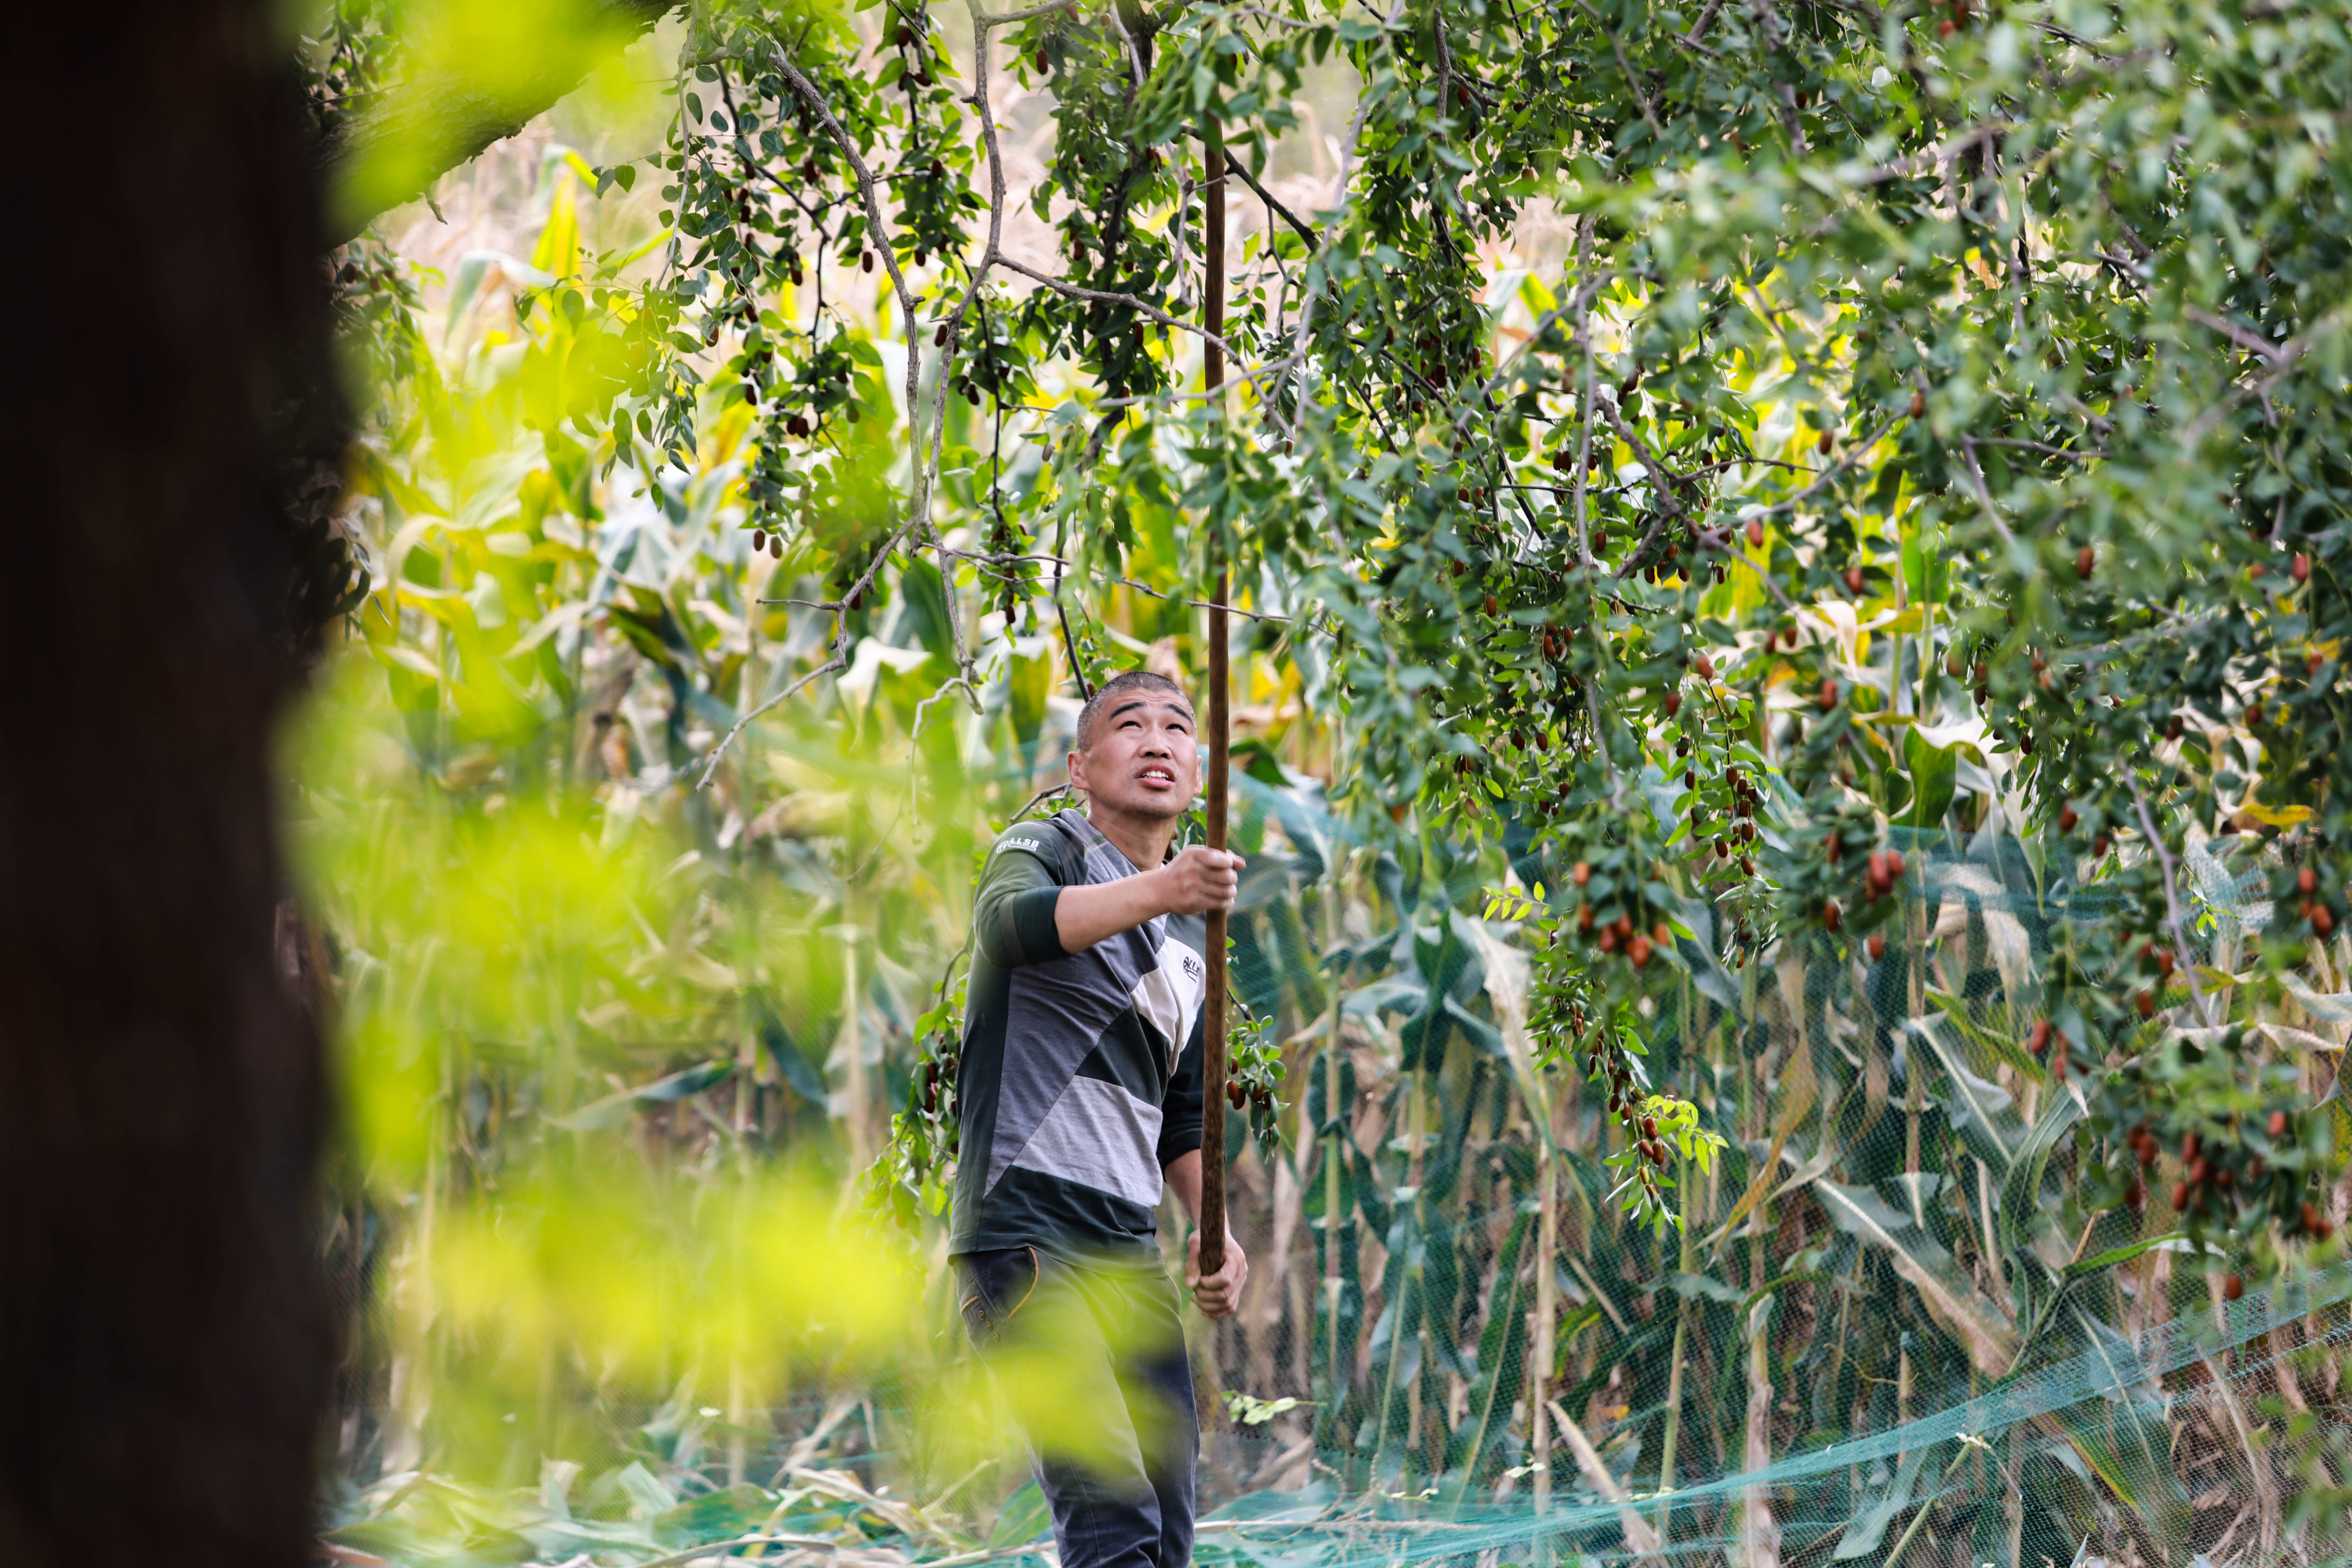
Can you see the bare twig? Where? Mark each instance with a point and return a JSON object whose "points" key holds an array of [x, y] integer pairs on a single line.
{"points": [[1306, 230], [2126, 269], [1792, 118], [1179, 225], [1584, 394], [1134, 59], [1984, 492], [2092, 455], [915, 730], [1762, 575], [1032, 803], [1853, 455], [1662, 481], [2155, 841], [2252, 342], [1934, 157], [2283, 362], [2100, 653], [1444, 64], [987, 558], [1203, 603], [837, 661], [1263, 15], [1633, 83], [1107, 297], [1006, 18], [1233, 379], [1706, 20]]}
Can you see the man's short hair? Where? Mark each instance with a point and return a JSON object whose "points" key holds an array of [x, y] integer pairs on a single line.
{"points": [[1126, 680]]}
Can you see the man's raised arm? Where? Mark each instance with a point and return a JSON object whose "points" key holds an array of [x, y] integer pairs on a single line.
{"points": [[1198, 880]]}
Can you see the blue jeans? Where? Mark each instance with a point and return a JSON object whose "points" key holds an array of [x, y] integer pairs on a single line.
{"points": [[1091, 1358]]}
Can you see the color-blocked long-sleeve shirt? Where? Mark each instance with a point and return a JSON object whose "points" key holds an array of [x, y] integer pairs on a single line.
{"points": [[1080, 1078]]}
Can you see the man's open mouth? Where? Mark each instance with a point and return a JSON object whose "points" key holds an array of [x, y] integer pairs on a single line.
{"points": [[1158, 776]]}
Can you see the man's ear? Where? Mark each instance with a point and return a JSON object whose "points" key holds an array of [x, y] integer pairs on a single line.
{"points": [[1078, 767]]}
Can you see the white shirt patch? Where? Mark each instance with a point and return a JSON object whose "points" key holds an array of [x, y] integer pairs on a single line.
{"points": [[1170, 997]]}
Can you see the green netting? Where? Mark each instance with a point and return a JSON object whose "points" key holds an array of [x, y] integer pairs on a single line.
{"points": [[1885, 1333]]}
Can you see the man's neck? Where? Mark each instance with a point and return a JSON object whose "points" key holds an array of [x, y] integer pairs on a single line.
{"points": [[1143, 840]]}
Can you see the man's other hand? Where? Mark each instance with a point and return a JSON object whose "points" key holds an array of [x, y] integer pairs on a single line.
{"points": [[1201, 879], [1221, 1292]]}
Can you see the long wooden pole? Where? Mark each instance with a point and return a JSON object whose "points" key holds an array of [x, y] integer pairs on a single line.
{"points": [[1212, 1024]]}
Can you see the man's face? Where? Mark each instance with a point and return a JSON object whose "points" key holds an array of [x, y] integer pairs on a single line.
{"points": [[1141, 760]]}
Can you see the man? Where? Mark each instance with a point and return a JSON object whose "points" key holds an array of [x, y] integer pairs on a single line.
{"points": [[1079, 1091]]}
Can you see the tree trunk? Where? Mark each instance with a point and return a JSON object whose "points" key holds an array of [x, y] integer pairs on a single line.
{"points": [[164, 1346]]}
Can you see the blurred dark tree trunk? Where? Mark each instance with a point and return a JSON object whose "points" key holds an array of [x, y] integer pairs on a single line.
{"points": [[163, 1345]]}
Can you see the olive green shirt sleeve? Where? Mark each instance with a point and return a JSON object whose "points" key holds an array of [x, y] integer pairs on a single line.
{"points": [[1012, 912]]}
